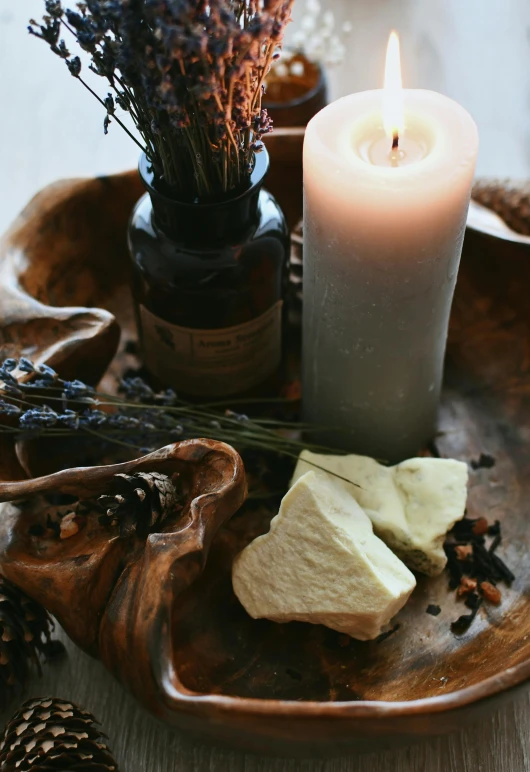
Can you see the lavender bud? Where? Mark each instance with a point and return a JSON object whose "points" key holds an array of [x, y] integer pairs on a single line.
{"points": [[26, 366], [47, 372], [74, 65]]}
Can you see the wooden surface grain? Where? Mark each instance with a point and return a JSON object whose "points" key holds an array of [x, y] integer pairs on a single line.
{"points": [[475, 51]]}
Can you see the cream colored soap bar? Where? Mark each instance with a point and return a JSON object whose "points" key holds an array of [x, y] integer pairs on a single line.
{"points": [[412, 505], [322, 563]]}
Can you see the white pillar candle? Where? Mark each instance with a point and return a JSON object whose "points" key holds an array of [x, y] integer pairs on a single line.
{"points": [[383, 232]]}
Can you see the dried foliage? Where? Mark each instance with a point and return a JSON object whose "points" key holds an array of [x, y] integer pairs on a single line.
{"points": [[190, 73]]}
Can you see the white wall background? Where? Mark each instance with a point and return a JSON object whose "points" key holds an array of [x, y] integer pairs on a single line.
{"points": [[475, 51]]}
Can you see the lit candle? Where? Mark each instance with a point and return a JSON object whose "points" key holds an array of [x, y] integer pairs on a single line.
{"points": [[387, 179]]}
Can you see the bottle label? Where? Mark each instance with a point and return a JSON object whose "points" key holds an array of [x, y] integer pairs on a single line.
{"points": [[213, 363]]}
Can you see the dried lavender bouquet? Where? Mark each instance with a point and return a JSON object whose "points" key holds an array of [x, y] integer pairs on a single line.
{"points": [[190, 73]]}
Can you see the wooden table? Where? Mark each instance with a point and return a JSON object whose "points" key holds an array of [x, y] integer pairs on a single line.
{"points": [[476, 52]]}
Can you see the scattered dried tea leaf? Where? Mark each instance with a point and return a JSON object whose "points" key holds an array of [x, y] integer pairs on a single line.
{"points": [[474, 567], [467, 585], [491, 593], [433, 609], [463, 551], [387, 634], [481, 527], [463, 623], [485, 461]]}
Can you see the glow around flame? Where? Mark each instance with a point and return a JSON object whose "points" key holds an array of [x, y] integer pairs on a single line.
{"points": [[393, 113]]}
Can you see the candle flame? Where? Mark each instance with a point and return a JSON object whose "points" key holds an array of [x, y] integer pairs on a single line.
{"points": [[393, 112]]}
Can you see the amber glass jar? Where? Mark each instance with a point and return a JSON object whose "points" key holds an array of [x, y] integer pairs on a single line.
{"points": [[298, 95], [209, 282]]}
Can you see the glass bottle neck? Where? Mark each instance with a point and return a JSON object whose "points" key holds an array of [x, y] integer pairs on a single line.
{"points": [[207, 224]]}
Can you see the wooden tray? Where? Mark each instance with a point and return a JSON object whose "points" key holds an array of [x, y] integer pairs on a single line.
{"points": [[293, 688]]}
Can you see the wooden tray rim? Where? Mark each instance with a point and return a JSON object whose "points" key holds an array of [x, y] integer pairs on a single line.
{"points": [[503, 682]]}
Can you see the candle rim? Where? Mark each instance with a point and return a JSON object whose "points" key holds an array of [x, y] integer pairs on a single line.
{"points": [[443, 111]]}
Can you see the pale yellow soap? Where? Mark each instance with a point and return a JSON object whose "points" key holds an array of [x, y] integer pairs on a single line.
{"points": [[322, 563], [412, 505]]}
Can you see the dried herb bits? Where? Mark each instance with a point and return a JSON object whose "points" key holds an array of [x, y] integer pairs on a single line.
{"points": [[475, 570]]}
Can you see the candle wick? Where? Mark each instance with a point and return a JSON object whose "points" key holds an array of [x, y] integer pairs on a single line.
{"points": [[395, 141]]}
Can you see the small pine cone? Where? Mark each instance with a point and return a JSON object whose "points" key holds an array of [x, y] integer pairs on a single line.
{"points": [[25, 632], [139, 502], [510, 200], [51, 734]]}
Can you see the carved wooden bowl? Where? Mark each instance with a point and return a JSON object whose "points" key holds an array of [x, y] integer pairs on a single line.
{"points": [[200, 662], [115, 596]]}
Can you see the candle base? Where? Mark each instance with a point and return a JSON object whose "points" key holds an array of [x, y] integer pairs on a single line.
{"points": [[388, 443]]}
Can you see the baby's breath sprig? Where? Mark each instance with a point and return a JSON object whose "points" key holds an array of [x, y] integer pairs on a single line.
{"points": [[190, 73], [317, 36]]}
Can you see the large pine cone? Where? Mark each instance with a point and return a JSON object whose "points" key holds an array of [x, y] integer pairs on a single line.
{"points": [[47, 735], [139, 502], [510, 200], [25, 632]]}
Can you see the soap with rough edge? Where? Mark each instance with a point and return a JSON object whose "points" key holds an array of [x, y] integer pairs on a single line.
{"points": [[322, 563], [412, 505]]}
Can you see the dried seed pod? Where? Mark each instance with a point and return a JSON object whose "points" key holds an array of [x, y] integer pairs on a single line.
{"points": [[52, 734]]}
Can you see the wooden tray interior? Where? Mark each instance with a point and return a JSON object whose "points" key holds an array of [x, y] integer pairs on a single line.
{"points": [[218, 649]]}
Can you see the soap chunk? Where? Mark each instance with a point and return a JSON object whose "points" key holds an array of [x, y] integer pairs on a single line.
{"points": [[322, 563], [412, 505]]}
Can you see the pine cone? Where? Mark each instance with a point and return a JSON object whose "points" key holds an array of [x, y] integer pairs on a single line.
{"points": [[51, 734], [25, 632], [140, 502], [510, 200]]}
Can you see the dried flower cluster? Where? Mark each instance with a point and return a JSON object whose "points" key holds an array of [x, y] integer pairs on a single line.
{"points": [[191, 74]]}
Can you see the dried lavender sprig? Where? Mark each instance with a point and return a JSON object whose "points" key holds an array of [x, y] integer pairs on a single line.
{"points": [[143, 425], [134, 388]]}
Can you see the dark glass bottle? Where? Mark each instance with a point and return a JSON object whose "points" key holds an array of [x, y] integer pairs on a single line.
{"points": [[209, 282]]}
